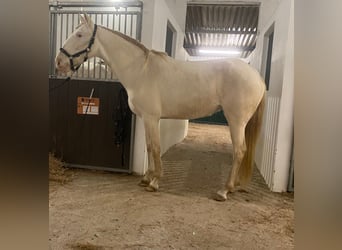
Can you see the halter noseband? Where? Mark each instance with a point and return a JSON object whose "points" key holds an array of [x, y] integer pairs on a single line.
{"points": [[77, 54]]}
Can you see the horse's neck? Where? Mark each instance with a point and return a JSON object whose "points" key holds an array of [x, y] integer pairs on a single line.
{"points": [[122, 56]]}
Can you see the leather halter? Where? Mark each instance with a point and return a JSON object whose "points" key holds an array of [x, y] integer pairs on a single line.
{"points": [[77, 54]]}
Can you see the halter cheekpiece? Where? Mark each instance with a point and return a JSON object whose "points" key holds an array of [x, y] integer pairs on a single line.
{"points": [[77, 54]]}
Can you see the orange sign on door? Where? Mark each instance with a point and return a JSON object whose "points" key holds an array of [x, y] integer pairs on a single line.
{"points": [[88, 106]]}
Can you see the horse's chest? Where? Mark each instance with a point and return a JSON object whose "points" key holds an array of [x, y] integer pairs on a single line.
{"points": [[133, 107]]}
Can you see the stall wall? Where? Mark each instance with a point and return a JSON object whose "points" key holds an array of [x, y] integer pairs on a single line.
{"points": [[156, 14], [280, 14]]}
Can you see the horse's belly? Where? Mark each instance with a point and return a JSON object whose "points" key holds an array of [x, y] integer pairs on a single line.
{"points": [[190, 110]]}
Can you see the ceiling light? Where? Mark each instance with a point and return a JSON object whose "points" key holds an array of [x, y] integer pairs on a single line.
{"points": [[219, 52]]}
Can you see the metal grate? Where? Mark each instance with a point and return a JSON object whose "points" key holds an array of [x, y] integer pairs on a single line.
{"points": [[229, 26], [64, 17]]}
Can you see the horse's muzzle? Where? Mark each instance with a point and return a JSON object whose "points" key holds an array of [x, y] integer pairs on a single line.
{"points": [[61, 64]]}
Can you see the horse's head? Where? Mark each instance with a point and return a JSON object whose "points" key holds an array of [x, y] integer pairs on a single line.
{"points": [[77, 47]]}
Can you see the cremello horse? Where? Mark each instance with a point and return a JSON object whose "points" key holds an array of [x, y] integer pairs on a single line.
{"points": [[160, 87]]}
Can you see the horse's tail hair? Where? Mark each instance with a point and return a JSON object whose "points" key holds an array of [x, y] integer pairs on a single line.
{"points": [[252, 132]]}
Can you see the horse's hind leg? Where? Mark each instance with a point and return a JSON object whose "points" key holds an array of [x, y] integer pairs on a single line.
{"points": [[237, 131], [151, 178]]}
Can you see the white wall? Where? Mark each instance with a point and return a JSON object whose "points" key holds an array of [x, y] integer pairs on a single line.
{"points": [[279, 12], [156, 14]]}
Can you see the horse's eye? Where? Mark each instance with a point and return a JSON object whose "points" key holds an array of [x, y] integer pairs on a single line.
{"points": [[79, 35]]}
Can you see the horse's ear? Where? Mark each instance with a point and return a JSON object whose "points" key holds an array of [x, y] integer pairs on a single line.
{"points": [[85, 19]]}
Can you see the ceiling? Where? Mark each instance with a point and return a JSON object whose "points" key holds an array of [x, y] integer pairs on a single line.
{"points": [[221, 27]]}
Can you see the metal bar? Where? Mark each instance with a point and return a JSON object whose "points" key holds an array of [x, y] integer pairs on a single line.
{"points": [[247, 48], [221, 31], [50, 44], [100, 68], [94, 12], [61, 31], [80, 71], [125, 29], [94, 59], [131, 31], [111, 73], [67, 26], [230, 3], [53, 43], [269, 173], [58, 4], [139, 26], [106, 64], [113, 21], [120, 22], [73, 23], [85, 78]]}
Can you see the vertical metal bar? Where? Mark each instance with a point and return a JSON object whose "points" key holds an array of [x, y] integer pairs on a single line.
{"points": [[131, 31], [114, 21], [100, 68], [271, 151], [50, 42], [106, 64], [275, 136], [139, 26], [67, 26], [269, 145], [73, 22], [265, 154], [120, 22], [79, 71], [125, 29], [61, 30], [133, 27], [111, 73], [94, 60], [53, 40]]}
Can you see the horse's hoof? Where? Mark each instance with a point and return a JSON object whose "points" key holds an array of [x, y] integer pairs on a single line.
{"points": [[220, 196], [143, 183], [151, 189]]}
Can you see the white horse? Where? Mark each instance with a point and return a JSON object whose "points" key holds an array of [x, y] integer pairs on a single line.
{"points": [[159, 86]]}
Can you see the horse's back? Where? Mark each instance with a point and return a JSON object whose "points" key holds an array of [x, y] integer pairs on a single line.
{"points": [[195, 89]]}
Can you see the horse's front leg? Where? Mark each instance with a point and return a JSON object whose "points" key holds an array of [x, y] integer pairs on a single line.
{"points": [[153, 174]]}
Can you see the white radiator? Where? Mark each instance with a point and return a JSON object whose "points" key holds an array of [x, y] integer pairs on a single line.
{"points": [[271, 127]]}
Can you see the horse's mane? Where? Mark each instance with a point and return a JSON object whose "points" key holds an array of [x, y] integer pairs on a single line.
{"points": [[159, 53], [136, 43]]}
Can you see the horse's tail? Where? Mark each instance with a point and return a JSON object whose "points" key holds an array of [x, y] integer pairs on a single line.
{"points": [[252, 132]]}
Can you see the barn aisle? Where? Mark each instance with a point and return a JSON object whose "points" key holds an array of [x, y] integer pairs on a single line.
{"points": [[201, 164]]}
